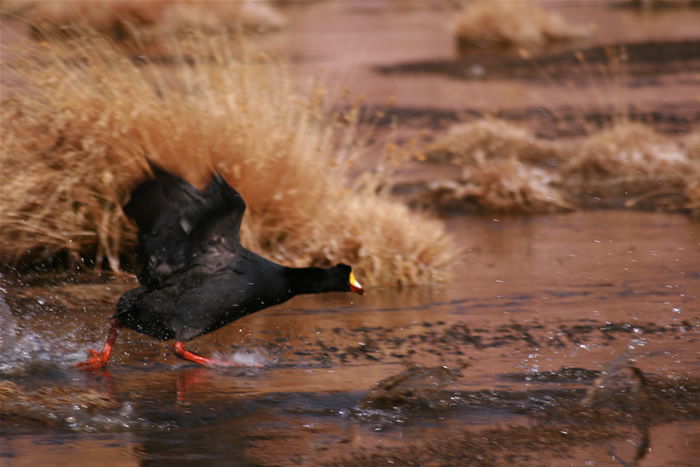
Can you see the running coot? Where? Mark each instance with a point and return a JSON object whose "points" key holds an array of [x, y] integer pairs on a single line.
{"points": [[197, 277]]}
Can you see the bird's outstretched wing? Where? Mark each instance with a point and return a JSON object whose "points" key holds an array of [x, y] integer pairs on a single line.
{"points": [[181, 227]]}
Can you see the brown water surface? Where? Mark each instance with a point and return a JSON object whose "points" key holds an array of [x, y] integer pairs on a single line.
{"points": [[349, 42], [576, 336], [537, 310]]}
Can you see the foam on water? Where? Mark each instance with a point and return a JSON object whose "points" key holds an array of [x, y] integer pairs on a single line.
{"points": [[255, 357]]}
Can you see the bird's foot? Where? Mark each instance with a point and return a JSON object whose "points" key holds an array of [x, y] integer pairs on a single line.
{"points": [[95, 361], [179, 350]]}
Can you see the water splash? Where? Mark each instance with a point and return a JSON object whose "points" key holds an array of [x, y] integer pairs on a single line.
{"points": [[255, 357], [8, 324], [23, 350]]}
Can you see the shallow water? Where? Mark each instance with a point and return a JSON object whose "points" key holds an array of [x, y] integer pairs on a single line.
{"points": [[546, 317], [348, 42], [598, 292]]}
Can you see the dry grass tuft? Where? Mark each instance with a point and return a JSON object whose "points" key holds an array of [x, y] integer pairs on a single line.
{"points": [[627, 148], [507, 169], [413, 248], [692, 191], [512, 25], [488, 139], [692, 146], [137, 22], [630, 160], [80, 122], [498, 172], [499, 186]]}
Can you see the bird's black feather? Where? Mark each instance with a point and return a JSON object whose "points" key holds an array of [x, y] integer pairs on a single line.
{"points": [[180, 226], [197, 277]]}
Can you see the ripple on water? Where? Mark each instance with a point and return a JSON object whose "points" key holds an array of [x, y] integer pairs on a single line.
{"points": [[69, 407]]}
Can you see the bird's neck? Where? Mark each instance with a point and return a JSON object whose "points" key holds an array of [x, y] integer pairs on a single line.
{"points": [[307, 280]]}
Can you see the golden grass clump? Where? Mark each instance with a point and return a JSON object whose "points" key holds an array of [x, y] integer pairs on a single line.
{"points": [[78, 124], [499, 170], [499, 186], [413, 246], [475, 143], [692, 192], [505, 168], [628, 150], [692, 146], [633, 162], [514, 24], [146, 22]]}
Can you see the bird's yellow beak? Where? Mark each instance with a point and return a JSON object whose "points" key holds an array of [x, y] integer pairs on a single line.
{"points": [[355, 286]]}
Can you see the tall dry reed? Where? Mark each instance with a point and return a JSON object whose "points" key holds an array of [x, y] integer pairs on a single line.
{"points": [[79, 121]]}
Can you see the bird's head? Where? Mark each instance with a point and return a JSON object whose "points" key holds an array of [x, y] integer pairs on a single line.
{"points": [[354, 285], [344, 273]]}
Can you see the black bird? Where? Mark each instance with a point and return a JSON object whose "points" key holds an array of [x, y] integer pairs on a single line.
{"points": [[197, 277]]}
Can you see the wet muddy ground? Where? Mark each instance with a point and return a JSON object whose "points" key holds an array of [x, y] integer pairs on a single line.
{"points": [[570, 338], [561, 340]]}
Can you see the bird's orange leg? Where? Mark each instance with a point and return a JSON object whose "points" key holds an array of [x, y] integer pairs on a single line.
{"points": [[179, 350], [97, 360]]}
